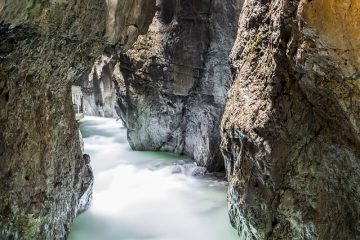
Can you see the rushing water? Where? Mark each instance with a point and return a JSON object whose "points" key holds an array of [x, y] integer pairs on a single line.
{"points": [[137, 197]]}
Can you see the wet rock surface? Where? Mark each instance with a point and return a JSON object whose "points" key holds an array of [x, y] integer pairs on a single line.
{"points": [[174, 79], [99, 89], [291, 123], [43, 174], [191, 169], [290, 128], [45, 46]]}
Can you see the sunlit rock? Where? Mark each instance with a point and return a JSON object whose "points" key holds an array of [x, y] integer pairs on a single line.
{"points": [[291, 123]]}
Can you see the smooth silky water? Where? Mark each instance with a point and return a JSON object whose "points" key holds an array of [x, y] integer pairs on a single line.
{"points": [[137, 197]]}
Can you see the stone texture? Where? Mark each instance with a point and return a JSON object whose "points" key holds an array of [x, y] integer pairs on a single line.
{"points": [[43, 174], [126, 20], [99, 89], [290, 128], [174, 79], [46, 46], [291, 123]]}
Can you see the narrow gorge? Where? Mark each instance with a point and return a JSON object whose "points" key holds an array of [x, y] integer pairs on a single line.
{"points": [[266, 92]]}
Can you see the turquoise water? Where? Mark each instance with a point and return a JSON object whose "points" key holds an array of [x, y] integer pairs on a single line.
{"points": [[137, 197]]}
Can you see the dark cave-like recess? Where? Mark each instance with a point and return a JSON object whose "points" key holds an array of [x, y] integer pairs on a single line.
{"points": [[167, 10]]}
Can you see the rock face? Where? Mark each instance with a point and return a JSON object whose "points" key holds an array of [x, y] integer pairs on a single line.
{"points": [[43, 175], [45, 46], [291, 125], [174, 81], [290, 128], [99, 89]]}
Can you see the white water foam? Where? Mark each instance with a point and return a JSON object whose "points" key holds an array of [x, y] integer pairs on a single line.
{"points": [[136, 196]]}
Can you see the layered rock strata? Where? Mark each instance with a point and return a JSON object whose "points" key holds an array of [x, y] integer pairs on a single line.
{"points": [[291, 124]]}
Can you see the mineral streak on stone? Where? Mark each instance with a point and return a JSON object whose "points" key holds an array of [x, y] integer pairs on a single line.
{"points": [[46, 46], [291, 124]]}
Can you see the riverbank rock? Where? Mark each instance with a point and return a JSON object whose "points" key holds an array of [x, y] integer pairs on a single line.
{"points": [[288, 99], [176, 169], [174, 79], [99, 90], [46, 46], [291, 124], [190, 169]]}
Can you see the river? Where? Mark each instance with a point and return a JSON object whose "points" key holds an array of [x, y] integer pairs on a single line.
{"points": [[137, 197]]}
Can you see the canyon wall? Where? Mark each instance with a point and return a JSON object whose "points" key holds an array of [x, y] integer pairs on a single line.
{"points": [[98, 89], [46, 46], [174, 79], [125, 21], [290, 128]]}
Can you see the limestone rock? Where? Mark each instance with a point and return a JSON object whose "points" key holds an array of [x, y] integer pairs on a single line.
{"points": [[46, 46], [99, 89], [176, 169], [290, 127], [86, 158], [42, 172], [190, 169], [174, 79], [291, 124]]}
